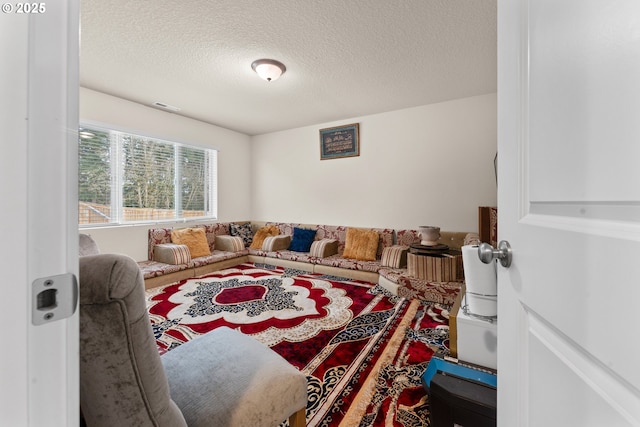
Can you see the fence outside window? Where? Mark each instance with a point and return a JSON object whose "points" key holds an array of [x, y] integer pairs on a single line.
{"points": [[125, 178]]}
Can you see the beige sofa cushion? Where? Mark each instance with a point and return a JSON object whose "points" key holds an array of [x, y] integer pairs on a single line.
{"points": [[229, 243], [276, 243], [323, 248], [170, 253], [394, 256]]}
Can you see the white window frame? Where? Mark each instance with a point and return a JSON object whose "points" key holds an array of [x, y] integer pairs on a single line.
{"points": [[116, 196]]}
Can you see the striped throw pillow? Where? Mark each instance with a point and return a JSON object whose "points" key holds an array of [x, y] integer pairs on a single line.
{"points": [[394, 256], [323, 248], [229, 243], [171, 253], [276, 243]]}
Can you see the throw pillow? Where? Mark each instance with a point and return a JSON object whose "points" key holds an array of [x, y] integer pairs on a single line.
{"points": [[323, 248], [276, 243], [302, 239], [361, 244], [394, 256], [242, 230], [262, 233], [170, 253], [229, 243], [194, 238]]}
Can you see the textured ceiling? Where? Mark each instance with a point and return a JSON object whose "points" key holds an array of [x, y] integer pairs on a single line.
{"points": [[344, 58]]}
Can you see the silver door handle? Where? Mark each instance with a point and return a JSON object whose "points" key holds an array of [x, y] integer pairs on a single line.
{"points": [[488, 253]]}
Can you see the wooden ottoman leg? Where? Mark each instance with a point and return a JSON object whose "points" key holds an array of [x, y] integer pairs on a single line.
{"points": [[299, 419]]}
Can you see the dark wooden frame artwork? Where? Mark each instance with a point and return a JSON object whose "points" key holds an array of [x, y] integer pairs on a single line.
{"points": [[340, 141]]}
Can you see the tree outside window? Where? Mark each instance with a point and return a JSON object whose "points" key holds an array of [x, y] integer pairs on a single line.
{"points": [[125, 178]]}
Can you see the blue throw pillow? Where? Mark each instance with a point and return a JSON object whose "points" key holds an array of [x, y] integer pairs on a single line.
{"points": [[302, 239]]}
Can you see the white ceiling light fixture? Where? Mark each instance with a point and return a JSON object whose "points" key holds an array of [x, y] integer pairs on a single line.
{"points": [[268, 69]]}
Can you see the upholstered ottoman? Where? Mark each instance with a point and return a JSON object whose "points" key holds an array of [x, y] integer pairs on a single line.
{"points": [[230, 379]]}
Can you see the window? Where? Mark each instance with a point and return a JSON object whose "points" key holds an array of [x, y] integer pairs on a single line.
{"points": [[125, 178]]}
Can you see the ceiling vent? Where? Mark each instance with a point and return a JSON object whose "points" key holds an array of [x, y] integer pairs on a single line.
{"points": [[165, 107]]}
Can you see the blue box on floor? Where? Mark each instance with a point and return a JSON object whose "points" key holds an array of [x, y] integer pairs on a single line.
{"points": [[460, 395]]}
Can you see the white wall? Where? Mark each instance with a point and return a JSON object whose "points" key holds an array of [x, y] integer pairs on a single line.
{"points": [[234, 167], [429, 165]]}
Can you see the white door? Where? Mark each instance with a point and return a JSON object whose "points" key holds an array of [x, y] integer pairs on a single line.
{"points": [[38, 217], [569, 204]]}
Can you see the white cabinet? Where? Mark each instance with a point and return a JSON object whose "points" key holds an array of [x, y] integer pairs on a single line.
{"points": [[476, 339]]}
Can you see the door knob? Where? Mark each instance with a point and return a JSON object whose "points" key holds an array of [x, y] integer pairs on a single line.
{"points": [[488, 253]]}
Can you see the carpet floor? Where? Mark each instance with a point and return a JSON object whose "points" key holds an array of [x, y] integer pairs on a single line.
{"points": [[363, 350]]}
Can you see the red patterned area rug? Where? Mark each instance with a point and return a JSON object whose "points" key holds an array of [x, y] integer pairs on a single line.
{"points": [[363, 350]]}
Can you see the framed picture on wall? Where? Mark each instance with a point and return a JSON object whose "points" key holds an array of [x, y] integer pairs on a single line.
{"points": [[339, 141]]}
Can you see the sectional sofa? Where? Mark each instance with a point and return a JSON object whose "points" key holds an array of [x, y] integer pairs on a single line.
{"points": [[376, 255]]}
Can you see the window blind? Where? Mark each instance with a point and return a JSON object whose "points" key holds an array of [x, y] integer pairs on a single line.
{"points": [[126, 178]]}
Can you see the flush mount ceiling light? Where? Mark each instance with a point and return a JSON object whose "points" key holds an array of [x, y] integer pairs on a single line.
{"points": [[268, 69]]}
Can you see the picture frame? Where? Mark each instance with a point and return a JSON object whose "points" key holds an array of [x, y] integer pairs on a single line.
{"points": [[340, 141]]}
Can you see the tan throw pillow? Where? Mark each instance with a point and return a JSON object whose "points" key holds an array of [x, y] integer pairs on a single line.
{"points": [[394, 256], [170, 253], [323, 248], [229, 243], [361, 244], [276, 243], [262, 233], [194, 238]]}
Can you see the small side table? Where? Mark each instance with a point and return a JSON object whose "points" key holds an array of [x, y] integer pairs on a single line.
{"points": [[436, 263]]}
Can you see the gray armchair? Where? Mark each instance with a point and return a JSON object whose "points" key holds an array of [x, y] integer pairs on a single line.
{"points": [[223, 378]]}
